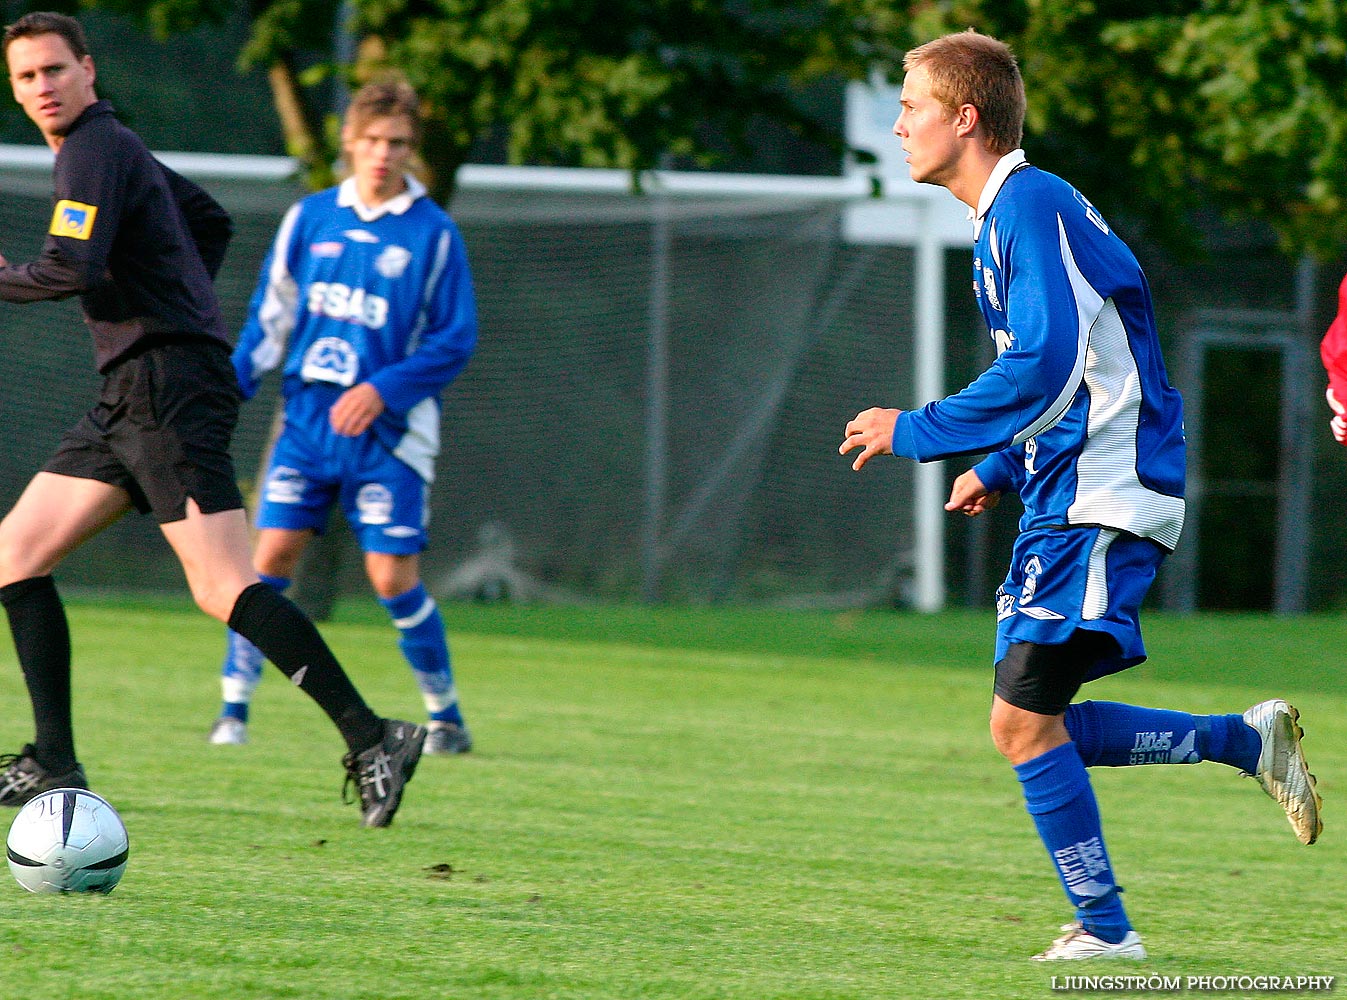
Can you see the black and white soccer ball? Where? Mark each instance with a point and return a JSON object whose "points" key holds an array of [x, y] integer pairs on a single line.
{"points": [[68, 840]]}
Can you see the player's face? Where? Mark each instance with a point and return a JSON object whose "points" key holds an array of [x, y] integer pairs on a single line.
{"points": [[927, 131], [379, 151], [50, 84]]}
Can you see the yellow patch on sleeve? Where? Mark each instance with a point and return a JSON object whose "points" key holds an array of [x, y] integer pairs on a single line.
{"points": [[73, 219]]}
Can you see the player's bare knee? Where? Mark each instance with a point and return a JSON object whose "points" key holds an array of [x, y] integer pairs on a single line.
{"points": [[216, 599], [1007, 736], [1021, 734], [392, 576], [17, 560], [387, 589]]}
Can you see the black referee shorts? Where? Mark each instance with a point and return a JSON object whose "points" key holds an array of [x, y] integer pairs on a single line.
{"points": [[161, 431]]}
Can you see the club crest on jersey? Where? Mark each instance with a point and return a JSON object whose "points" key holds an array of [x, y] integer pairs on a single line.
{"points": [[329, 249], [330, 359], [393, 261], [73, 219]]}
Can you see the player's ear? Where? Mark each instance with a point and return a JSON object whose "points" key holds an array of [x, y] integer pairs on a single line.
{"points": [[966, 119]]}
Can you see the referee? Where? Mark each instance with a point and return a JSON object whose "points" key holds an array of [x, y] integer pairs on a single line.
{"points": [[140, 245]]}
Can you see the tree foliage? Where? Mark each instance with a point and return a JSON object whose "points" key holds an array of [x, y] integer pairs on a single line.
{"points": [[1164, 106], [613, 83], [1157, 108], [625, 83]]}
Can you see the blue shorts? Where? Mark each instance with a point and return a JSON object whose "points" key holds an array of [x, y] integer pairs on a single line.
{"points": [[386, 503], [1065, 579]]}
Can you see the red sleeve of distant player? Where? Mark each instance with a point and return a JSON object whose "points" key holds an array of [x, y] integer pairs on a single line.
{"points": [[1333, 348]]}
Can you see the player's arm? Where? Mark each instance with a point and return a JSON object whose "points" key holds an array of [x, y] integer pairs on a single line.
{"points": [[1003, 472], [89, 197], [1333, 352], [969, 495], [871, 431], [273, 310], [207, 221], [449, 336], [1029, 386]]}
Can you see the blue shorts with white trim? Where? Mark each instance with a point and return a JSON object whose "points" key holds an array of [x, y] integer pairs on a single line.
{"points": [[384, 500], [1064, 579]]}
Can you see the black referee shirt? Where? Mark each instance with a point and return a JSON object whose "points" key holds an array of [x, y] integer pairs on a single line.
{"points": [[137, 242]]}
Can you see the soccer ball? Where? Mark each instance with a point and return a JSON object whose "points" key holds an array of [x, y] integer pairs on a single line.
{"points": [[67, 840]]}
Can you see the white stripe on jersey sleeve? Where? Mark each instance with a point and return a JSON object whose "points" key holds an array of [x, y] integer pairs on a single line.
{"points": [[431, 287], [277, 313]]}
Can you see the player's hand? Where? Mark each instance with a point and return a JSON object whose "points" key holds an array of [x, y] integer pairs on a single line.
{"points": [[1339, 421], [872, 432], [3, 262], [355, 410], [970, 496]]}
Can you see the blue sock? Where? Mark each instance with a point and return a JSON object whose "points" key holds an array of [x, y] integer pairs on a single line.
{"points": [[242, 668], [1058, 795], [1228, 739], [1108, 734], [422, 642]]}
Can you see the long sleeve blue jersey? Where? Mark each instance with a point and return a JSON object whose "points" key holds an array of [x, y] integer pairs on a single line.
{"points": [[350, 294], [1076, 413]]}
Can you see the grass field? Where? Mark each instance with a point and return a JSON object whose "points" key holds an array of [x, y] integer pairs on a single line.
{"points": [[677, 804]]}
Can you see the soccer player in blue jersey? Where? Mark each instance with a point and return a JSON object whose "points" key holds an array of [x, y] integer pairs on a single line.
{"points": [[1077, 416], [365, 303]]}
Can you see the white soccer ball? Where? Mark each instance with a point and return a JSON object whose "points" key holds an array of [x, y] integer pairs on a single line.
{"points": [[67, 840]]}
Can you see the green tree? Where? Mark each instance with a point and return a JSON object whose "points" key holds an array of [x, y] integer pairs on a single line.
{"points": [[1236, 104], [292, 40], [621, 83]]}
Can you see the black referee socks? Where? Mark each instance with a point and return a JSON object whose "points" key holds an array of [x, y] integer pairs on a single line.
{"points": [[287, 638]]}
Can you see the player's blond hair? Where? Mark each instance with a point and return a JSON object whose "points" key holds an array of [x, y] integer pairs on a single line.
{"points": [[386, 97], [970, 68]]}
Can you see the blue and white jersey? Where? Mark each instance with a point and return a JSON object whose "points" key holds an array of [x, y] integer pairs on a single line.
{"points": [[1076, 412], [352, 294]]}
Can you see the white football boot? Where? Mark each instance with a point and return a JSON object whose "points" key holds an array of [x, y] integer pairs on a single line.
{"points": [[1078, 944], [228, 730], [1282, 770]]}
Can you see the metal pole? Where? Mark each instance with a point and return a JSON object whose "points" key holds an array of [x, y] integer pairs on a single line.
{"points": [[657, 401], [929, 477], [1297, 459]]}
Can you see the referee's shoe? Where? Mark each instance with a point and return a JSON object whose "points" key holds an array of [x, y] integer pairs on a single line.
{"points": [[380, 772], [1282, 770], [23, 778]]}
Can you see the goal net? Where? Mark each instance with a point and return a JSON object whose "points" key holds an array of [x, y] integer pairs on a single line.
{"points": [[653, 411]]}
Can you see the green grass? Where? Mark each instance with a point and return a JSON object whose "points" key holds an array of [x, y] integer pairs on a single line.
{"points": [[664, 803]]}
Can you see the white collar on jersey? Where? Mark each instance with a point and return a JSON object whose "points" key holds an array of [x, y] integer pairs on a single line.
{"points": [[999, 173], [348, 197]]}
